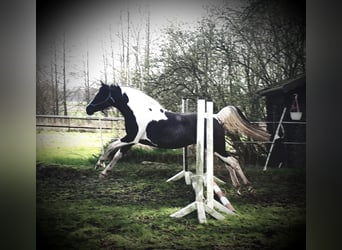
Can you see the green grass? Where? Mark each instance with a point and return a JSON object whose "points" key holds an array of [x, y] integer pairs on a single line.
{"points": [[131, 208], [73, 148]]}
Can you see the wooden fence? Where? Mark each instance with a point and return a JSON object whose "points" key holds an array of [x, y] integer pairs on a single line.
{"points": [[114, 125]]}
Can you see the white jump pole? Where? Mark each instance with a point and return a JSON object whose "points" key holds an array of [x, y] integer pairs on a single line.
{"points": [[198, 178], [185, 172], [210, 178], [210, 155]]}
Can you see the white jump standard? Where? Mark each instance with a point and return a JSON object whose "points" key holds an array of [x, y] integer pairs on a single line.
{"points": [[200, 180], [185, 172]]}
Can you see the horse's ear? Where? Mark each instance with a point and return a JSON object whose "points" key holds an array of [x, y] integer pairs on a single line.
{"points": [[102, 83]]}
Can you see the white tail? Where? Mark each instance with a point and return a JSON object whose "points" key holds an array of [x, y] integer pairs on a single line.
{"points": [[233, 121]]}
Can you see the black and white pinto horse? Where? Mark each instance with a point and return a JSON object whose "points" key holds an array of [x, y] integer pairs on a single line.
{"points": [[147, 122]]}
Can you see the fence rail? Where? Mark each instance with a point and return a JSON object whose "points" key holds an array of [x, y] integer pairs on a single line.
{"points": [[91, 118], [81, 123], [116, 125]]}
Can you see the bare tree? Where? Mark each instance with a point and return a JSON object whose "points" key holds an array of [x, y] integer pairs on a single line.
{"points": [[86, 74], [136, 78], [52, 82], [64, 79], [122, 56], [128, 44], [105, 62], [147, 47], [112, 51], [56, 95]]}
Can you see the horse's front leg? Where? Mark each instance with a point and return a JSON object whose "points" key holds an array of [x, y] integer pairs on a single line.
{"points": [[111, 164], [118, 155], [107, 155], [101, 162]]}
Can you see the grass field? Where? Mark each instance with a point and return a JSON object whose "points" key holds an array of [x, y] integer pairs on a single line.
{"points": [[131, 208]]}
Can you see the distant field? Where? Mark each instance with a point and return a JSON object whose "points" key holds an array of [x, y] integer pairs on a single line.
{"points": [[80, 148], [130, 209], [52, 139], [63, 147]]}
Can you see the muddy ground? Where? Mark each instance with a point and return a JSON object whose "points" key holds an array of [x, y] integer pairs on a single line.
{"points": [[130, 210]]}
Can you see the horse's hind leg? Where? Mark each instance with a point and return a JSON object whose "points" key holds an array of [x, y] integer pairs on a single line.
{"points": [[234, 163], [118, 155], [234, 168], [233, 177]]}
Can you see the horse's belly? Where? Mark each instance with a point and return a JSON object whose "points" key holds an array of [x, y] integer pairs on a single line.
{"points": [[162, 135]]}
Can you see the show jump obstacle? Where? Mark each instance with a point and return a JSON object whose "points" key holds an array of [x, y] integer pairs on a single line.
{"points": [[200, 180]]}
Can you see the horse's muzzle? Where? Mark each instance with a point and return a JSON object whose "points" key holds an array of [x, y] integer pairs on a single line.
{"points": [[90, 110]]}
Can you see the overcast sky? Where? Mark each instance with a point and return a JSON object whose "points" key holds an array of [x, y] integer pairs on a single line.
{"points": [[90, 23]]}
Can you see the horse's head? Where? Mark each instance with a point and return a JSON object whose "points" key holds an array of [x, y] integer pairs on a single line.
{"points": [[106, 97]]}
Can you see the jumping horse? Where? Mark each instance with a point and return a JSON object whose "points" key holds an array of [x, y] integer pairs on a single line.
{"points": [[148, 123]]}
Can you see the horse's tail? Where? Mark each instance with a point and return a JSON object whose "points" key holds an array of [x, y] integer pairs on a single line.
{"points": [[233, 121]]}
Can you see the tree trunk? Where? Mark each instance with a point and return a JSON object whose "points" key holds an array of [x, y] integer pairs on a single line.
{"points": [[122, 57], [112, 51], [52, 85], [127, 54], [104, 59], [64, 80], [56, 111], [86, 76], [147, 50]]}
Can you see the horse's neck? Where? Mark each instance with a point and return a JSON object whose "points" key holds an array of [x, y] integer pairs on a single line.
{"points": [[125, 111], [140, 107], [138, 99]]}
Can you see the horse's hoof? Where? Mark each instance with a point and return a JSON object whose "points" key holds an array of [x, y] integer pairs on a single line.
{"points": [[238, 192], [230, 207], [102, 176], [100, 164], [251, 190]]}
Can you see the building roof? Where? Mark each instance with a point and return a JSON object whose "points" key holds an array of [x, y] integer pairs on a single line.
{"points": [[284, 86]]}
